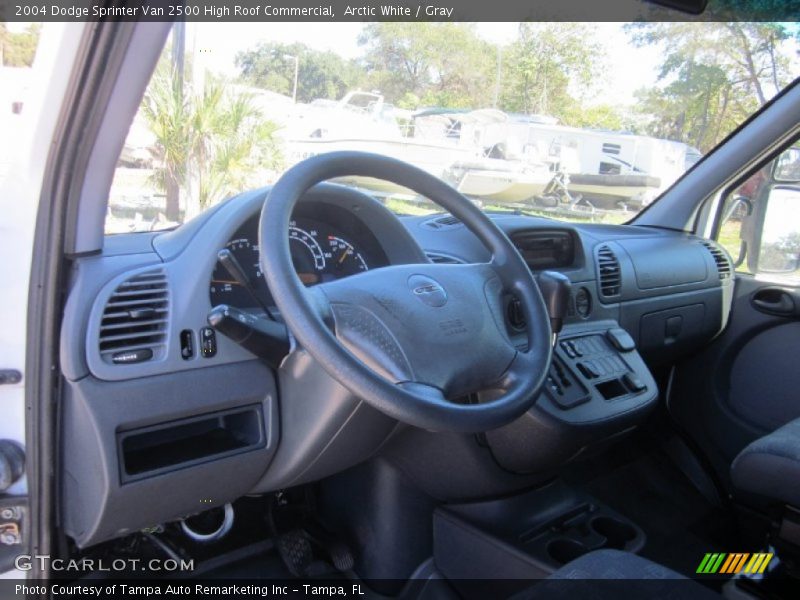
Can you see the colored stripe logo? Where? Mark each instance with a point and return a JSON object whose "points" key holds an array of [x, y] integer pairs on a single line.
{"points": [[736, 562]]}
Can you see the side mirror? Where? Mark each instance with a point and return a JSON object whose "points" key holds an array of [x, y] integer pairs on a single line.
{"points": [[787, 166], [778, 233]]}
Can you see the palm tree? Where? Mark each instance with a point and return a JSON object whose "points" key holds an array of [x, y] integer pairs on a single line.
{"points": [[210, 142], [166, 109]]}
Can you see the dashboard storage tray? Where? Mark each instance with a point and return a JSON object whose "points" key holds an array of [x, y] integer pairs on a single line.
{"points": [[152, 450]]}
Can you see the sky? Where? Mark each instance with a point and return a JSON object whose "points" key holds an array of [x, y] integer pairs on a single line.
{"points": [[629, 68]]}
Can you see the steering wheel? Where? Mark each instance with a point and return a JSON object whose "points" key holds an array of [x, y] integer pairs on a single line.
{"points": [[408, 339]]}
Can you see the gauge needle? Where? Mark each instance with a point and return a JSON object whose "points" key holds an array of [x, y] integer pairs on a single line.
{"points": [[225, 281], [343, 256]]}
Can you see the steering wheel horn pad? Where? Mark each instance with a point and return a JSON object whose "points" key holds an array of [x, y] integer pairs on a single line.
{"points": [[408, 339]]}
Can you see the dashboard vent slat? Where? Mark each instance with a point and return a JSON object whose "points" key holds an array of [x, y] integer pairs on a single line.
{"points": [[608, 272], [724, 266], [136, 316]]}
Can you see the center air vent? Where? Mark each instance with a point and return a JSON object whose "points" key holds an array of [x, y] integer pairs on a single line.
{"points": [[608, 272], [133, 327], [724, 266], [443, 259], [442, 222]]}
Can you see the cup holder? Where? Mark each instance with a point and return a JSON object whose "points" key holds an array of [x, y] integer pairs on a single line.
{"points": [[563, 550], [617, 533]]}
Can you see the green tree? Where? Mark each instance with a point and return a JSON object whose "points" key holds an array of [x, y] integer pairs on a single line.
{"points": [[440, 64], [18, 49], [210, 141], [600, 116], [712, 77], [547, 62], [320, 74]]}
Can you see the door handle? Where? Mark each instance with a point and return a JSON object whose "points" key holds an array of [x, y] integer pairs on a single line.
{"points": [[10, 376], [775, 301]]}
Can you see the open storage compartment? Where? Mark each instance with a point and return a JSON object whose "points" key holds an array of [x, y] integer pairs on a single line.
{"points": [[168, 446]]}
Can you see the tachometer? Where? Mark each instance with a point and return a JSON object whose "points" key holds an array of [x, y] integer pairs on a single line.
{"points": [[345, 260]]}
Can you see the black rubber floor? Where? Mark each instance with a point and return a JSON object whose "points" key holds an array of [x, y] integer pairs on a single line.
{"points": [[644, 485]]}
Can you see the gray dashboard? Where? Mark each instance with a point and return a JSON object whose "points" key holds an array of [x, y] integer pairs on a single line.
{"points": [[186, 258], [670, 290], [139, 411]]}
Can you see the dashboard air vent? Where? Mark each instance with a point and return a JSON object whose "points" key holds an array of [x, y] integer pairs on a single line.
{"points": [[608, 271], [133, 327], [443, 259], [724, 266], [442, 222]]}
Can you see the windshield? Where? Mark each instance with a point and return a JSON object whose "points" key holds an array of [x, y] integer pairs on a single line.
{"points": [[574, 121]]}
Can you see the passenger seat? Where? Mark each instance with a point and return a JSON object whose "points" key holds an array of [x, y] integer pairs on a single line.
{"points": [[768, 471], [770, 466], [615, 574]]}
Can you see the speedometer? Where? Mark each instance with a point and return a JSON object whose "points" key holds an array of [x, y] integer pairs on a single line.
{"points": [[307, 255]]}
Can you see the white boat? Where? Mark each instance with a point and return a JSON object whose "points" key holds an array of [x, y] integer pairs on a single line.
{"points": [[505, 172], [636, 189], [609, 167], [497, 180], [363, 121], [605, 167]]}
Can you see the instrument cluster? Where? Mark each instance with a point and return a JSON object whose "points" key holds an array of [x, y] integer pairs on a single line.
{"points": [[324, 247]]}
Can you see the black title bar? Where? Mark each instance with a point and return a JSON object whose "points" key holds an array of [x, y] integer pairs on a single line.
{"points": [[400, 10]]}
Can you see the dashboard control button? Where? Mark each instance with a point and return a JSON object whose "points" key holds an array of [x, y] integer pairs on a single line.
{"points": [[583, 302], [568, 349], [588, 370], [633, 383], [187, 344], [621, 339], [208, 342]]}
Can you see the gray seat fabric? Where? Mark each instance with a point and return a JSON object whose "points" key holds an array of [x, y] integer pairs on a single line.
{"points": [[607, 574], [770, 466]]}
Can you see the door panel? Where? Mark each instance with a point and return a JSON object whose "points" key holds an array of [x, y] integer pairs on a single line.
{"points": [[744, 384]]}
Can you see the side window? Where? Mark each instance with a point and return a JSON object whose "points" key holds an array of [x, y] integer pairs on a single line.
{"points": [[760, 221]]}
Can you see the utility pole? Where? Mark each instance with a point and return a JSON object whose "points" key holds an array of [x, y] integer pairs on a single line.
{"points": [[296, 73]]}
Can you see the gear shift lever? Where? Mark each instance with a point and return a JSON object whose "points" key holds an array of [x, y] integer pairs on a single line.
{"points": [[555, 288]]}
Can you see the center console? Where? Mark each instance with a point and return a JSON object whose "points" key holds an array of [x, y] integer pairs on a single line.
{"points": [[598, 387], [509, 541]]}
